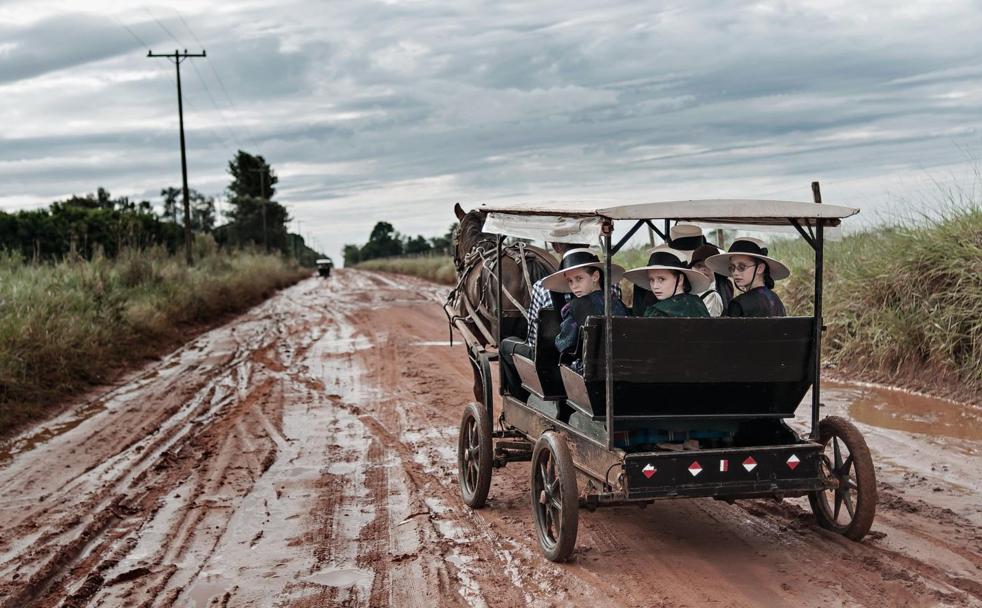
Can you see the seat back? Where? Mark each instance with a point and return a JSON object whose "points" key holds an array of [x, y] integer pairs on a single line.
{"points": [[546, 355], [725, 367]]}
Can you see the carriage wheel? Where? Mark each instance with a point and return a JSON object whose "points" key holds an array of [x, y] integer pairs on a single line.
{"points": [[555, 500], [849, 508], [475, 454]]}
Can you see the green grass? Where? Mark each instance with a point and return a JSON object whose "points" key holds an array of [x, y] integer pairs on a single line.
{"points": [[67, 326], [902, 304], [438, 269]]}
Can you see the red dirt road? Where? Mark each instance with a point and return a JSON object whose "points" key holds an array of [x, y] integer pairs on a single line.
{"points": [[305, 455]]}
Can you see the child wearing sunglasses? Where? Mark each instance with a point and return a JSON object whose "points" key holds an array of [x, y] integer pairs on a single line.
{"points": [[753, 273]]}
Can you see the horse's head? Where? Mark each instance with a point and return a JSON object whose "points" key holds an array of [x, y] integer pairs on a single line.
{"points": [[468, 233]]}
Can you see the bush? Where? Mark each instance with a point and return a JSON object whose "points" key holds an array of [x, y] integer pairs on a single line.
{"points": [[67, 325]]}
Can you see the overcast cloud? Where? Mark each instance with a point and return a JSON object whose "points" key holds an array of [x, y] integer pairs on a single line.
{"points": [[392, 111]]}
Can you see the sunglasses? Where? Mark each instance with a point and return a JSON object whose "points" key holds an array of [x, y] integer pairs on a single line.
{"points": [[740, 267]]}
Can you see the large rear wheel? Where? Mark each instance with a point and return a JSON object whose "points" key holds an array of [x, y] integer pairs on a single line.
{"points": [[555, 499], [475, 455], [849, 506]]}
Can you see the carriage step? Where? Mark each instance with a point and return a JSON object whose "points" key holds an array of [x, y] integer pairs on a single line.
{"points": [[524, 446]]}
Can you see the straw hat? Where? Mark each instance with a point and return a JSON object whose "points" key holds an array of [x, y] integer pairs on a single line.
{"points": [[686, 237], [749, 247], [578, 258], [668, 259]]}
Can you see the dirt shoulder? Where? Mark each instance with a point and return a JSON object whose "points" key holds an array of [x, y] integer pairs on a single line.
{"points": [[304, 455]]}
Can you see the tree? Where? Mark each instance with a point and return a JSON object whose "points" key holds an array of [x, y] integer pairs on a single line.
{"points": [[251, 176], [352, 255], [445, 242], [417, 244], [383, 242], [246, 224], [202, 209]]}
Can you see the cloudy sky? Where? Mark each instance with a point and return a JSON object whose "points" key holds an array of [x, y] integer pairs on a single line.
{"points": [[394, 110]]}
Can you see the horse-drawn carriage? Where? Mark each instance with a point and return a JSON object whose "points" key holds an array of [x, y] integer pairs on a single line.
{"points": [[324, 266], [730, 382]]}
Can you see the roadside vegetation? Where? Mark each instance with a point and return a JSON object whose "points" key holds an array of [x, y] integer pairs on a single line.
{"points": [[438, 269], [70, 325], [93, 283], [903, 304]]}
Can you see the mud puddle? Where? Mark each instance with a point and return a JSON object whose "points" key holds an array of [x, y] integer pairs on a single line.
{"points": [[902, 411]]}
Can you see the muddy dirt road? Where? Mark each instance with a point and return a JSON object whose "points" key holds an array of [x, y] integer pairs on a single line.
{"points": [[304, 455]]}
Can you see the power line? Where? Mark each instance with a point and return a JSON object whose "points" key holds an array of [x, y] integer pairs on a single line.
{"points": [[250, 136]]}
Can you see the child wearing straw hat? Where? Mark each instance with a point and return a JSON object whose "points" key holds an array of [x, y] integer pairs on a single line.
{"points": [[672, 282], [581, 274], [753, 273]]}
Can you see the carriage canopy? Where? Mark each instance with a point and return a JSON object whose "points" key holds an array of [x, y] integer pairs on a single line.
{"points": [[580, 221]]}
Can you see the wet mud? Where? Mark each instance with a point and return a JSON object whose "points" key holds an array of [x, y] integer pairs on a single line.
{"points": [[304, 455]]}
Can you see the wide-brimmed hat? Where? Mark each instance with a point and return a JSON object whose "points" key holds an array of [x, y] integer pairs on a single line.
{"points": [[578, 258], [668, 259], [750, 247], [686, 237]]}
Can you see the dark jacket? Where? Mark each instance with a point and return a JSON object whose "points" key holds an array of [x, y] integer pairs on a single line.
{"points": [[574, 315], [679, 305], [758, 302]]}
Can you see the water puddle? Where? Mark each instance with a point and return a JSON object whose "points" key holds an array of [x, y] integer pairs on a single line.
{"points": [[345, 578], [206, 588], [902, 411], [49, 432]]}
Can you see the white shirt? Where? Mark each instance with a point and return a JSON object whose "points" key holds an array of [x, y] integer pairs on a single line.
{"points": [[713, 301]]}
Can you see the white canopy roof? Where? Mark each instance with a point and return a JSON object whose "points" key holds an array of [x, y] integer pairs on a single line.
{"points": [[580, 221], [718, 211]]}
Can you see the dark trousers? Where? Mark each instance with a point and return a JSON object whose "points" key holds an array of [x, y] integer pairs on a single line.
{"points": [[506, 352]]}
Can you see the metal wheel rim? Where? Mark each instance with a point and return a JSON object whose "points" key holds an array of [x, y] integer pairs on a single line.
{"points": [[471, 455], [548, 500], [839, 503]]}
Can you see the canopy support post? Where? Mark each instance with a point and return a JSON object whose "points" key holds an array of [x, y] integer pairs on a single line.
{"points": [[606, 230], [627, 236], [819, 269], [498, 317]]}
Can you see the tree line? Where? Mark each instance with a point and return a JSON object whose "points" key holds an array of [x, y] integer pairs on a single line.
{"points": [[385, 242], [83, 225]]}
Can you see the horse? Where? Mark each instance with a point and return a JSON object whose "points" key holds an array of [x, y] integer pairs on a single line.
{"points": [[473, 301]]}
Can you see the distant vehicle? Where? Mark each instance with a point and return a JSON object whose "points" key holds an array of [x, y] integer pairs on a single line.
{"points": [[324, 266], [729, 382]]}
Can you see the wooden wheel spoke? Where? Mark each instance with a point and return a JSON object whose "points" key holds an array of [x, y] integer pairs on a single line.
{"points": [[838, 505], [843, 471], [850, 506], [837, 463]]}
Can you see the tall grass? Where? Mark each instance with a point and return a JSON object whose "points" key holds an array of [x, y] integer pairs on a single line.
{"points": [[903, 304], [439, 269], [69, 325]]}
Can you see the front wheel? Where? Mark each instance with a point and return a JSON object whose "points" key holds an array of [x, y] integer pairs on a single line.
{"points": [[475, 455], [847, 508], [555, 499]]}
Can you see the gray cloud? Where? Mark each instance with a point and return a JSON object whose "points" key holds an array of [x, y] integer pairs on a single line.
{"points": [[393, 111]]}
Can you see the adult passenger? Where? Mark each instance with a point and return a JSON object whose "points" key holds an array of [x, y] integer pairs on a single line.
{"points": [[753, 273]]}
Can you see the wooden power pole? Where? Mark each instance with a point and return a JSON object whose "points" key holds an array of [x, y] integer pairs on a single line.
{"points": [[177, 57]]}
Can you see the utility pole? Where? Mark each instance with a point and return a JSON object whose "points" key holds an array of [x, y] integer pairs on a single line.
{"points": [[262, 190], [177, 57]]}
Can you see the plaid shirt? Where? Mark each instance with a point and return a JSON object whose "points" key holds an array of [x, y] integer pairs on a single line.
{"points": [[541, 299]]}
